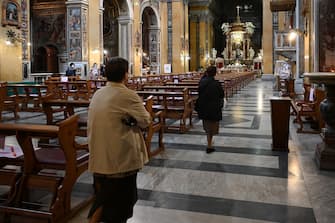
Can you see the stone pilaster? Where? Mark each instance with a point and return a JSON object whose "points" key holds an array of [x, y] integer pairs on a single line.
{"points": [[101, 33], [125, 37], [77, 26], [200, 26], [77, 36]]}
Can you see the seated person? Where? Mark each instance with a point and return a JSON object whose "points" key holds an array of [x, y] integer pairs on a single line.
{"points": [[71, 70]]}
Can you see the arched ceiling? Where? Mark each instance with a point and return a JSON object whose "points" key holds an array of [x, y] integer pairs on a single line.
{"points": [[122, 6]]}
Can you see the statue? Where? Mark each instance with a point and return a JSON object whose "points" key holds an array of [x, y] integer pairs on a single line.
{"points": [[225, 28], [251, 53], [214, 52], [225, 53], [233, 55], [239, 54], [249, 27]]}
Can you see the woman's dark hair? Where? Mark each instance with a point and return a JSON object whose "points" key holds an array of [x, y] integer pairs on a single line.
{"points": [[211, 71], [116, 69]]}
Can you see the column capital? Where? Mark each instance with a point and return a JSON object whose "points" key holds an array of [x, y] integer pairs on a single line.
{"points": [[200, 16], [124, 19], [185, 1], [72, 2], [205, 3]]}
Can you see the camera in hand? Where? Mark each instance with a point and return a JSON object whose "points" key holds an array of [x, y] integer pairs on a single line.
{"points": [[129, 121]]}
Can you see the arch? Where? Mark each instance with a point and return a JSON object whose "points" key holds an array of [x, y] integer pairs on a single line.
{"points": [[150, 39], [147, 4], [116, 28], [45, 60]]}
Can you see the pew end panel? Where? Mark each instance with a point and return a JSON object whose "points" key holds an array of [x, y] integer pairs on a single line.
{"points": [[8, 102], [156, 126], [309, 112], [39, 170]]}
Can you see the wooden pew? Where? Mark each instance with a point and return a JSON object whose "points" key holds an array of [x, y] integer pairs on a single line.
{"points": [[29, 94], [34, 177], [157, 125], [69, 106], [96, 84], [310, 110], [173, 108], [79, 89], [8, 103], [193, 90]]}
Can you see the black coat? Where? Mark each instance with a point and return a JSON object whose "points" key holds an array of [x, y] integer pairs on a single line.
{"points": [[210, 102], [70, 72]]}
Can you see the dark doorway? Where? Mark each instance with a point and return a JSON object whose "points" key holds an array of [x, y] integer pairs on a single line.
{"points": [[150, 42], [45, 60]]}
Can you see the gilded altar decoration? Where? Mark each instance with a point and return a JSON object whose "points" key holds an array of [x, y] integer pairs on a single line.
{"points": [[238, 41]]}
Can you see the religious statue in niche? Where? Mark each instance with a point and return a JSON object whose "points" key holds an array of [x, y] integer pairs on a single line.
{"points": [[11, 13], [239, 54], [251, 53]]}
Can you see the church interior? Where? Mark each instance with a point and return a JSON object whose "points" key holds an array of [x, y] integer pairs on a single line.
{"points": [[274, 156]]}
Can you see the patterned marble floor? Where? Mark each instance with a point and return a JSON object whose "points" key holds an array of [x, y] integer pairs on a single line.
{"points": [[244, 181]]}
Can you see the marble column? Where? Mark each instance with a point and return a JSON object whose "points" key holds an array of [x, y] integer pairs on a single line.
{"points": [[325, 151], [101, 33], [125, 37]]}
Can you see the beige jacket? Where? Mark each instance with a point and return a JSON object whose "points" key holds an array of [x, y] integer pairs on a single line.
{"points": [[115, 147]]}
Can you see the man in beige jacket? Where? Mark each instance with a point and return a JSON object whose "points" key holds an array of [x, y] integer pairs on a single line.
{"points": [[117, 148]]}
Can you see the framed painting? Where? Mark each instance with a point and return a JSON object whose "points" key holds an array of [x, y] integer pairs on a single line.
{"points": [[11, 13]]}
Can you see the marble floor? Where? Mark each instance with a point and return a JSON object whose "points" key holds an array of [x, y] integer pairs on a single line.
{"points": [[244, 181]]}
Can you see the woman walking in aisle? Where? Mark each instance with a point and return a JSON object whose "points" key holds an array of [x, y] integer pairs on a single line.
{"points": [[209, 105]]}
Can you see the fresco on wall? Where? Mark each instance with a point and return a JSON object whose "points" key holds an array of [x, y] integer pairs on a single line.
{"points": [[327, 36], [74, 19], [75, 50], [76, 34], [84, 33], [49, 30]]}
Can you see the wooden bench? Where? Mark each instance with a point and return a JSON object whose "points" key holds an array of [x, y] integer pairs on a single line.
{"points": [[29, 94], [286, 86], [8, 103], [175, 105], [310, 110], [35, 177], [156, 126], [193, 90], [69, 107], [79, 89]]}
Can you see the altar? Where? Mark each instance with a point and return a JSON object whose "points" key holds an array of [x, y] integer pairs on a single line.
{"points": [[238, 48]]}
